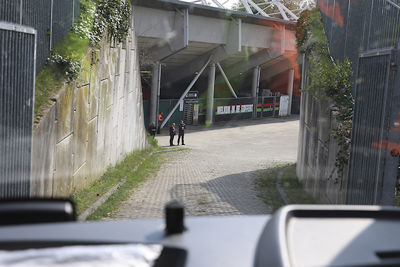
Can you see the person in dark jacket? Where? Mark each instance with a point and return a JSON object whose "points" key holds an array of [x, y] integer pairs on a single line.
{"points": [[172, 132], [181, 131], [152, 129]]}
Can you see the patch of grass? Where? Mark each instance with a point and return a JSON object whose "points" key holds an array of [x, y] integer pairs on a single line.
{"points": [[293, 188], [86, 197], [48, 82], [74, 47], [146, 163], [146, 169], [266, 187]]}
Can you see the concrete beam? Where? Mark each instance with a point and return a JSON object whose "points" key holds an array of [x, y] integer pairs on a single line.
{"points": [[290, 90], [281, 64], [177, 40], [258, 59], [254, 89], [234, 38], [155, 88], [210, 94], [172, 28], [189, 69]]}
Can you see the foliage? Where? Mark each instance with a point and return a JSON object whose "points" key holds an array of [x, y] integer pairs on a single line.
{"points": [[83, 26], [266, 185], [113, 17], [126, 169], [330, 81], [68, 66], [65, 63]]}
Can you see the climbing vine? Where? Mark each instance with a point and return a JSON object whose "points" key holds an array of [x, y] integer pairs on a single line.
{"points": [[330, 81], [111, 17]]}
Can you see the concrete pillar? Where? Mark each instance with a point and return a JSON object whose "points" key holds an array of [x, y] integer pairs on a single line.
{"points": [[210, 94], [290, 89], [254, 89], [155, 89]]}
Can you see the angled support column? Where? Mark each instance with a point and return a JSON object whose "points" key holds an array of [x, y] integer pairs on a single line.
{"points": [[290, 89], [254, 89], [210, 95], [185, 93], [226, 80], [155, 91]]}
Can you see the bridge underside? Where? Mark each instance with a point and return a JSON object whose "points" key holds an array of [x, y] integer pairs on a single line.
{"points": [[219, 52]]}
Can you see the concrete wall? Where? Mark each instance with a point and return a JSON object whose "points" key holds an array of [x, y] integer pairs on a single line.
{"points": [[92, 124]]}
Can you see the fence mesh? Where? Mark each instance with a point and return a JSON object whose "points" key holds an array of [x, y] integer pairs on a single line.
{"points": [[51, 18], [16, 110]]}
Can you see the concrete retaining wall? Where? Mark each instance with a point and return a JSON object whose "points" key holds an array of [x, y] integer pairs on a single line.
{"points": [[92, 124]]}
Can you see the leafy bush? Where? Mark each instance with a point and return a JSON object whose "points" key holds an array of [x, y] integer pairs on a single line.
{"points": [[69, 67], [112, 17], [330, 81]]}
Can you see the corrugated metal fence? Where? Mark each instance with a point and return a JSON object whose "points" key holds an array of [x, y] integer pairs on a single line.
{"points": [[17, 76], [52, 20], [28, 30], [368, 33]]}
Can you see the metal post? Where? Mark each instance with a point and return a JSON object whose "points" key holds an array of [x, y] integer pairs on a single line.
{"points": [[226, 80], [254, 89], [262, 107], [290, 90], [20, 12], [273, 108], [186, 91], [158, 95], [155, 84], [51, 23], [210, 94]]}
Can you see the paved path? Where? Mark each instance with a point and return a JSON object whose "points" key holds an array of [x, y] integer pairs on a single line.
{"points": [[216, 175]]}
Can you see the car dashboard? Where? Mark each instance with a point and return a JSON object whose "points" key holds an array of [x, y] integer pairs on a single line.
{"points": [[298, 235]]}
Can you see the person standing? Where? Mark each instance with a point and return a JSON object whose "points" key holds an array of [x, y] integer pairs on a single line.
{"points": [[160, 120], [172, 132], [181, 132], [152, 129]]}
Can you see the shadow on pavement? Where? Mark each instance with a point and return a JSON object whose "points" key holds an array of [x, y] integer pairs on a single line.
{"points": [[233, 194]]}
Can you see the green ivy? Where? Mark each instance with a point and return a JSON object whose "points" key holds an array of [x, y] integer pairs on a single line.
{"points": [[69, 67], [111, 17], [330, 81]]}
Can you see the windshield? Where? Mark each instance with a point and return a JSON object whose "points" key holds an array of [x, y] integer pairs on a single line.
{"points": [[234, 107]]}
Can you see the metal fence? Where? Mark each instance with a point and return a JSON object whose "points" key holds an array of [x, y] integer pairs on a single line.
{"points": [[356, 26], [371, 165], [52, 19], [368, 33], [17, 75]]}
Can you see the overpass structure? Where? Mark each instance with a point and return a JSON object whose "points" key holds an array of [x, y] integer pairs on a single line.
{"points": [[179, 41]]}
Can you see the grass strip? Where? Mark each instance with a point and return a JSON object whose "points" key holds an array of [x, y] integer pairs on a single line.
{"points": [[85, 198], [148, 168], [294, 189], [266, 187]]}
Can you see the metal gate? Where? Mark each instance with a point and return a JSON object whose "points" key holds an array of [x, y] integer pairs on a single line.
{"points": [[372, 168], [17, 77]]}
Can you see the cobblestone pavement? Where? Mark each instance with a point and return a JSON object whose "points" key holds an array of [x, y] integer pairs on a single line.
{"points": [[215, 176]]}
